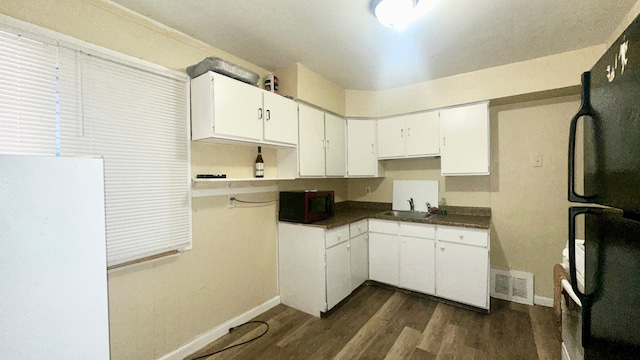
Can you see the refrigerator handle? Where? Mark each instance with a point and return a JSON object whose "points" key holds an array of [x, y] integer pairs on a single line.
{"points": [[573, 212], [585, 110], [596, 280]]}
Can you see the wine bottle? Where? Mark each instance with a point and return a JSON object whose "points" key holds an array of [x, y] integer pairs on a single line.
{"points": [[259, 164]]}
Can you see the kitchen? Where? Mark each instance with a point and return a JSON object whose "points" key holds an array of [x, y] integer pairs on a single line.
{"points": [[157, 307]]}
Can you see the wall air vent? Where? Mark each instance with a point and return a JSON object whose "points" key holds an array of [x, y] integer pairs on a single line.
{"points": [[516, 286]]}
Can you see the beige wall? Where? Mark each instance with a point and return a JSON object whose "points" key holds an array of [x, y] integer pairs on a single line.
{"points": [[460, 191], [532, 76], [529, 204], [303, 84]]}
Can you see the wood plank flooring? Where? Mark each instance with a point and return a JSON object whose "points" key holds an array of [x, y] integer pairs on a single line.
{"points": [[378, 323]]}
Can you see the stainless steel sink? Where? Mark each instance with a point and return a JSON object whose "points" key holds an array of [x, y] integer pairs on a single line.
{"points": [[407, 214]]}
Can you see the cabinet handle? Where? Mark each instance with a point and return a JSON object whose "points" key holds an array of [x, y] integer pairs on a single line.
{"points": [[328, 145], [409, 132], [324, 144], [268, 115], [461, 236], [444, 141], [442, 248], [339, 236], [372, 150], [349, 246], [401, 132], [259, 113]]}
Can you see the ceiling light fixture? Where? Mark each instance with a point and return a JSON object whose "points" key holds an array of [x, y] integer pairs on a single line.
{"points": [[398, 14]]}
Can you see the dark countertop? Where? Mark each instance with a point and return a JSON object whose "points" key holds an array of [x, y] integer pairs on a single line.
{"points": [[351, 211]]}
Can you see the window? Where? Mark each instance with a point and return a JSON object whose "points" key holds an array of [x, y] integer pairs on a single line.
{"points": [[27, 96], [64, 102]]}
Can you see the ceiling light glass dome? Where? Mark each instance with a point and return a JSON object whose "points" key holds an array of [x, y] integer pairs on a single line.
{"points": [[398, 14]]}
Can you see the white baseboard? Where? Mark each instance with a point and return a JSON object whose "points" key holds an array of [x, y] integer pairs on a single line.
{"points": [[209, 336], [543, 301]]}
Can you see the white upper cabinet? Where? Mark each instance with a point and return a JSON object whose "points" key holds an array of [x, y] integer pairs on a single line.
{"points": [[464, 133], [414, 135], [334, 145], [391, 142], [321, 147], [225, 109], [423, 132], [311, 141], [362, 158], [280, 119]]}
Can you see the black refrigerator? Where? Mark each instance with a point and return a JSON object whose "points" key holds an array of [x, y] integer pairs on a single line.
{"points": [[610, 115]]}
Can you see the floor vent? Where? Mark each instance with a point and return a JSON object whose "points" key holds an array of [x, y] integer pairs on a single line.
{"points": [[516, 286]]}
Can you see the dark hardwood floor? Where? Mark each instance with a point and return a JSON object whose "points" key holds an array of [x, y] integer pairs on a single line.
{"points": [[378, 323]]}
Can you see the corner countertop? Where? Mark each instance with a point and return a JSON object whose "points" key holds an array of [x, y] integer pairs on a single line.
{"points": [[348, 212]]}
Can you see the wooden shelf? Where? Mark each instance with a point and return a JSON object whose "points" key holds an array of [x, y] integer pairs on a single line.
{"points": [[228, 190]]}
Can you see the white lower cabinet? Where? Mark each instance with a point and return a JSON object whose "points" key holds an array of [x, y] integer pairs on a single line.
{"points": [[417, 264], [338, 273], [318, 268], [449, 262], [462, 265], [359, 239], [402, 254], [383, 258]]}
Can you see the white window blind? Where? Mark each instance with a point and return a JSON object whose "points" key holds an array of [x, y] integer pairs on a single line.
{"points": [[138, 121], [27, 96], [60, 101]]}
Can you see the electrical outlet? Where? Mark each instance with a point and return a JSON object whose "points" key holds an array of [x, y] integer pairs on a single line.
{"points": [[231, 201], [367, 190]]}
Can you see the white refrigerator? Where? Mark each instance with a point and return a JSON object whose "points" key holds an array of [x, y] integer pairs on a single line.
{"points": [[53, 277]]}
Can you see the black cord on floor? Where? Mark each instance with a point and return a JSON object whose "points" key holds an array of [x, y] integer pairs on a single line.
{"points": [[242, 343]]}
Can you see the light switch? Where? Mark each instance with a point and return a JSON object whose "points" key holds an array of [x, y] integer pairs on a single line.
{"points": [[536, 160]]}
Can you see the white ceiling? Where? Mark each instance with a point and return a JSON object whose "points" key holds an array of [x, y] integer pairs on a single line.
{"points": [[343, 42]]}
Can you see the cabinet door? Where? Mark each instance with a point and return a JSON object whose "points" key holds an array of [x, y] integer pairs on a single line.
{"points": [[422, 134], [311, 145], [383, 258], [280, 119], [417, 264], [462, 273], [335, 145], [361, 152], [359, 260], [391, 138], [464, 133], [237, 108], [338, 273]]}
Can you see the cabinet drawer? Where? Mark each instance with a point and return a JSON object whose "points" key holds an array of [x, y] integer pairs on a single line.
{"points": [[358, 228], [418, 230], [383, 226], [336, 236], [466, 236]]}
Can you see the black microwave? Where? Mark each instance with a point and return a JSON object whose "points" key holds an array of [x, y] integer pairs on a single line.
{"points": [[305, 206]]}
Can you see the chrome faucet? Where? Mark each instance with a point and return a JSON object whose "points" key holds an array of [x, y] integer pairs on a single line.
{"points": [[411, 206]]}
